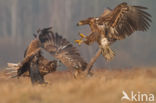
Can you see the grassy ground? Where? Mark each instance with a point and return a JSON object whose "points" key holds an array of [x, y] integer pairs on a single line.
{"points": [[105, 86]]}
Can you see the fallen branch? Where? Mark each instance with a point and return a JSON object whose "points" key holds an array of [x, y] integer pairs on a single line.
{"points": [[92, 61]]}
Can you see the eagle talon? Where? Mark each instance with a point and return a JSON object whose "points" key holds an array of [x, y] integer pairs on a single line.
{"points": [[79, 41], [82, 35]]}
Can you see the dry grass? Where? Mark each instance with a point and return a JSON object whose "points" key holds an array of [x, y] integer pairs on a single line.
{"points": [[105, 86]]}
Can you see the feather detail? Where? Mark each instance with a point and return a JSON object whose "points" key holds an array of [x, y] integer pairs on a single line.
{"points": [[62, 50], [107, 53]]}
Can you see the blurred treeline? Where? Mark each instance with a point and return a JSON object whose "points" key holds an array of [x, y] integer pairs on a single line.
{"points": [[19, 19]]}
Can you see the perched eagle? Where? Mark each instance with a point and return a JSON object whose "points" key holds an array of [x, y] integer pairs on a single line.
{"points": [[36, 66], [114, 25]]}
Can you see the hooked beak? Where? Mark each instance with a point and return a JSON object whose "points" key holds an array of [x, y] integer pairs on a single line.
{"points": [[79, 24]]}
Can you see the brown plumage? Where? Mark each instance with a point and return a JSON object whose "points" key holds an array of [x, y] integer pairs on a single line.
{"points": [[45, 66], [36, 66], [62, 50], [116, 24], [32, 56]]}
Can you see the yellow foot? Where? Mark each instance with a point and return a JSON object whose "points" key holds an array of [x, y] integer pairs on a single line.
{"points": [[79, 41], [82, 35]]}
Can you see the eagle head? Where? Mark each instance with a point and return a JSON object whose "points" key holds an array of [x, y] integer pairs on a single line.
{"points": [[85, 22]]}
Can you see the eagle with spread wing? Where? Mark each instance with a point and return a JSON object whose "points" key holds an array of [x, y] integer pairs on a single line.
{"points": [[36, 66], [115, 25], [62, 50]]}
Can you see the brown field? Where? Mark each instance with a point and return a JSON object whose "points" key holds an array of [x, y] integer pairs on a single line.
{"points": [[105, 86]]}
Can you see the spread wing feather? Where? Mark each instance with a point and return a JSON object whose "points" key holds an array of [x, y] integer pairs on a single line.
{"points": [[61, 49], [125, 19]]}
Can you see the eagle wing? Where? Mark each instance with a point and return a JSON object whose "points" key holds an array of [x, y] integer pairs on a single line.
{"points": [[25, 64], [62, 49], [106, 12], [126, 19]]}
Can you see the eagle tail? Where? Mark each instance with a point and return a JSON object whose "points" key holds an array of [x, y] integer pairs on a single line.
{"points": [[108, 53]]}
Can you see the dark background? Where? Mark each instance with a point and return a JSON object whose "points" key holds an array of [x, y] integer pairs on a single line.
{"points": [[19, 19]]}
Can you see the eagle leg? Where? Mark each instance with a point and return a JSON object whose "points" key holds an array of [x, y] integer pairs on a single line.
{"points": [[34, 72]]}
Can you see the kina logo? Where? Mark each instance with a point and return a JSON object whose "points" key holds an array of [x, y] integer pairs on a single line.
{"points": [[138, 96]]}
